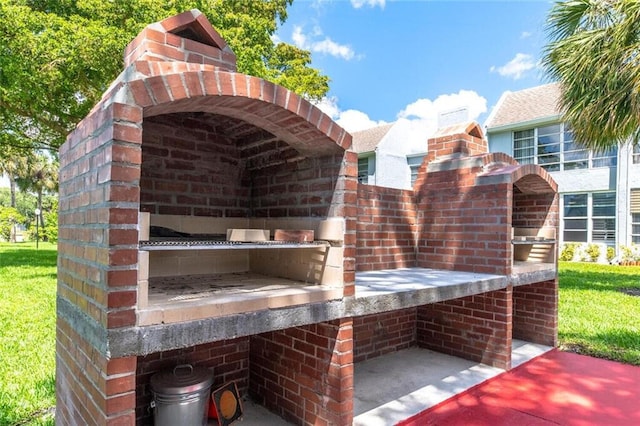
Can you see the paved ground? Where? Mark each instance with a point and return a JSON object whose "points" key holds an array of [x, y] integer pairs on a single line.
{"points": [[557, 388]]}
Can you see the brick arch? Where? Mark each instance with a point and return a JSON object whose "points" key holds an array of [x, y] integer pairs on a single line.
{"points": [[290, 117], [528, 178], [533, 179]]}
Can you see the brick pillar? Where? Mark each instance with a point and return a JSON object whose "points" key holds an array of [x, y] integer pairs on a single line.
{"points": [[305, 374], [97, 266], [477, 328], [535, 312]]}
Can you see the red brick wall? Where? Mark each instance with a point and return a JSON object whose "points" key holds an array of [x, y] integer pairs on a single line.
{"points": [[91, 389], [305, 374], [97, 261], [386, 228], [458, 143], [465, 227], [535, 210], [535, 312], [227, 359], [477, 328], [307, 187], [379, 334], [189, 169]]}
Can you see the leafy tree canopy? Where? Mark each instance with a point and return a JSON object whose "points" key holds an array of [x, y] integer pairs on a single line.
{"points": [[594, 52], [57, 57]]}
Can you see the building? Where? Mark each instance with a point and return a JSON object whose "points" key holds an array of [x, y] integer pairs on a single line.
{"points": [[390, 155], [599, 192]]}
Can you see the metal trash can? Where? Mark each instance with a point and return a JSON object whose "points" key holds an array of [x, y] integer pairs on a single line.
{"points": [[181, 396]]}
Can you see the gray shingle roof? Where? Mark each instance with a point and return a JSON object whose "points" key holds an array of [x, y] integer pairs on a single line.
{"points": [[526, 105], [367, 140]]}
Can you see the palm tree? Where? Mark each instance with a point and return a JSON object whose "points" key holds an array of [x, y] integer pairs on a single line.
{"points": [[594, 52], [13, 165], [41, 177]]}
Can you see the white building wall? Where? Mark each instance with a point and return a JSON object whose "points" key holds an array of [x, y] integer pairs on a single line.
{"points": [[404, 138], [392, 171]]}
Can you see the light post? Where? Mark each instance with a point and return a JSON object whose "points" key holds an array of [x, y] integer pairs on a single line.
{"points": [[37, 212]]}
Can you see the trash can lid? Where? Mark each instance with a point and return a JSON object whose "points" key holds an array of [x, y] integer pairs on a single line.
{"points": [[183, 379]]}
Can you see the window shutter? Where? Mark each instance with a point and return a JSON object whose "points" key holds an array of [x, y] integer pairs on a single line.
{"points": [[635, 201]]}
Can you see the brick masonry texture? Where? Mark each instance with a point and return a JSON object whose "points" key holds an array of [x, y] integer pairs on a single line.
{"points": [[535, 312], [376, 335], [180, 132], [305, 374], [477, 327]]}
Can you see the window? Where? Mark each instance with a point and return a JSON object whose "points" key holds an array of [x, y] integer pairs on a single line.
{"points": [[590, 217], [366, 168], [554, 148], [524, 146], [575, 218], [635, 216], [414, 165], [636, 154], [604, 218]]}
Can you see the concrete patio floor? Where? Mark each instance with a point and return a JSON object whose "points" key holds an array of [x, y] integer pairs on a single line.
{"points": [[398, 386]]}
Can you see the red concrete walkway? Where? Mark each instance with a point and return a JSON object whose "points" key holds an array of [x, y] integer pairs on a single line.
{"points": [[558, 388]]}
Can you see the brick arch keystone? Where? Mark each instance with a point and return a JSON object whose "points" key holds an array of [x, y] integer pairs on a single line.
{"points": [[254, 100]]}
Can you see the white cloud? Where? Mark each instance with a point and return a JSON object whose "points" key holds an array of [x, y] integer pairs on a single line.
{"points": [[351, 120], [332, 48], [428, 110], [357, 4], [325, 45], [422, 114], [516, 67], [525, 34]]}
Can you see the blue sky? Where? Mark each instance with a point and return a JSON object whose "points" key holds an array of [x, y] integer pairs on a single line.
{"points": [[400, 59]]}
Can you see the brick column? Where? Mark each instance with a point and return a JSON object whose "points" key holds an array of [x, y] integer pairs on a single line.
{"points": [[305, 374], [97, 266]]}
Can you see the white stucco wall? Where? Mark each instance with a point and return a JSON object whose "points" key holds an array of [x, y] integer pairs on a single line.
{"points": [[586, 180], [405, 138]]}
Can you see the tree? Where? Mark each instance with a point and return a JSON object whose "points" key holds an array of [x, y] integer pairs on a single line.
{"points": [[9, 217], [12, 164], [58, 57], [41, 176], [594, 52]]}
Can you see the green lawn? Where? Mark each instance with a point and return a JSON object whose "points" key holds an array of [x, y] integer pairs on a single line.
{"points": [[599, 315], [599, 311], [27, 333]]}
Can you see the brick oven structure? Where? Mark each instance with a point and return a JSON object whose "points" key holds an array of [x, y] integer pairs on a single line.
{"points": [[181, 145]]}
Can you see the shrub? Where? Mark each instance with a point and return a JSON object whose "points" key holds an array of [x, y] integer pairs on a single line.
{"points": [[568, 251], [593, 250], [9, 217], [611, 253], [629, 253]]}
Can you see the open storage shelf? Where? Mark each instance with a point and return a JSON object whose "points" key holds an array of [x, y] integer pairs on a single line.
{"points": [[201, 273], [534, 249]]}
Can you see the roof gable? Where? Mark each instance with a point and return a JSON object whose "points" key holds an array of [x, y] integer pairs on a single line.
{"points": [[369, 139], [526, 105]]}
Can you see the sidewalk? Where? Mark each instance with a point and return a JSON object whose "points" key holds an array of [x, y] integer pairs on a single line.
{"points": [[557, 388]]}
